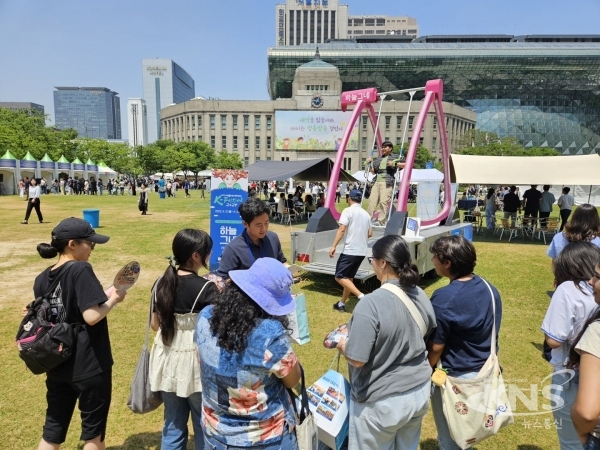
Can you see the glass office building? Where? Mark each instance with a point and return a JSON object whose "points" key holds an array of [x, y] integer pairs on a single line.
{"points": [[165, 83], [545, 94], [95, 112]]}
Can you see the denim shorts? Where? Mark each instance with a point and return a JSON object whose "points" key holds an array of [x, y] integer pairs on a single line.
{"points": [[593, 443]]}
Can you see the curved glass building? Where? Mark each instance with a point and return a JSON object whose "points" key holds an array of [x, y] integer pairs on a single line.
{"points": [[545, 94]]}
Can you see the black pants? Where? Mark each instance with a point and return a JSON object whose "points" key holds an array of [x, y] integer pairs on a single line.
{"points": [[543, 218], [564, 217], [35, 204]]}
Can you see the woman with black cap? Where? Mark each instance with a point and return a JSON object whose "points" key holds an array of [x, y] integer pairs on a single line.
{"points": [[79, 298]]}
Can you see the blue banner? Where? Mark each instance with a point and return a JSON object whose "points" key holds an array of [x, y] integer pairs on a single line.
{"points": [[229, 190]]}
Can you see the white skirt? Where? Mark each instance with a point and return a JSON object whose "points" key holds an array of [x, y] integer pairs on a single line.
{"points": [[175, 368]]}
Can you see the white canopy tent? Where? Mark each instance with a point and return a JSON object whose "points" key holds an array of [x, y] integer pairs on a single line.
{"points": [[579, 172]]}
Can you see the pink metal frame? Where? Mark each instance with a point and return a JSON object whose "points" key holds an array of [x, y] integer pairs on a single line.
{"points": [[434, 90]]}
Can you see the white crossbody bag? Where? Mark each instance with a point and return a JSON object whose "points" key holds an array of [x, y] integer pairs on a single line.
{"points": [[477, 408]]}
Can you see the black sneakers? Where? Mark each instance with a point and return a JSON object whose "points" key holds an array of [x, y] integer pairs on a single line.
{"points": [[337, 307]]}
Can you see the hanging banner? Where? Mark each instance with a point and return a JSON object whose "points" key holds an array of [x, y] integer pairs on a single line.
{"points": [[428, 199], [313, 130], [229, 190]]}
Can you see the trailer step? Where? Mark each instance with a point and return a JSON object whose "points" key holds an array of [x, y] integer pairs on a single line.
{"points": [[329, 269]]}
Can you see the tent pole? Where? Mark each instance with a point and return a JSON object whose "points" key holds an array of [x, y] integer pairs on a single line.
{"points": [[590, 194]]}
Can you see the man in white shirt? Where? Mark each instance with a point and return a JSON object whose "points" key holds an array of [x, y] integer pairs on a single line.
{"points": [[565, 203], [355, 227], [33, 202]]}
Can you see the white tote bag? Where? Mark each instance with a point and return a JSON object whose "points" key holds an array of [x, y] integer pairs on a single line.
{"points": [[306, 428], [477, 408]]}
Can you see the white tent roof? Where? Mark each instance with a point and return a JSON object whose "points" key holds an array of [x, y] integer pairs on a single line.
{"points": [[418, 175], [540, 170]]}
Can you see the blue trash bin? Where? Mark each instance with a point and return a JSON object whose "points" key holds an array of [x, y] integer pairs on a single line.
{"points": [[92, 216], [161, 194]]}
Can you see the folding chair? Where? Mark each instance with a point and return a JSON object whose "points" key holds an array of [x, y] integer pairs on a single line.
{"points": [[508, 228], [550, 228]]}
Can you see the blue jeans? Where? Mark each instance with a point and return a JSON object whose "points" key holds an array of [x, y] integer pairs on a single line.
{"points": [[390, 423], [593, 443], [445, 440], [566, 388], [177, 413], [288, 442]]}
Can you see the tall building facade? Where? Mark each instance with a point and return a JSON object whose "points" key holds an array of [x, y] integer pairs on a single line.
{"points": [[310, 21], [137, 121], [95, 112], [164, 82], [359, 26], [305, 126], [19, 106], [541, 90]]}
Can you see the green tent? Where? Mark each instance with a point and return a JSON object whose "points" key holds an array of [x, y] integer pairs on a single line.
{"points": [[29, 157], [8, 155], [63, 160], [46, 158]]}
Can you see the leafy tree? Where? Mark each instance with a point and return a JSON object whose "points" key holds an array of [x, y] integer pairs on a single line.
{"points": [[226, 160], [422, 157], [22, 131], [477, 142]]}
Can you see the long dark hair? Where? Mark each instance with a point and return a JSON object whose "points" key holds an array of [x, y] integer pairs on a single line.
{"points": [[491, 192], [576, 263], [234, 317], [186, 242], [584, 224], [394, 250]]}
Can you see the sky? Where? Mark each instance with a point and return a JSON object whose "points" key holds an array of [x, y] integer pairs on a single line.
{"points": [[221, 44]]}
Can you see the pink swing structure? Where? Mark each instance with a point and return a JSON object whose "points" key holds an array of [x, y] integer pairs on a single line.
{"points": [[365, 99]]}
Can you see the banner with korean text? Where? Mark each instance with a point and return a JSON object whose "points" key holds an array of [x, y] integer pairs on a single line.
{"points": [[313, 130], [229, 190]]}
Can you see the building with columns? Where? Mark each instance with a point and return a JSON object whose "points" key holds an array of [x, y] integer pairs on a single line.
{"points": [[249, 127]]}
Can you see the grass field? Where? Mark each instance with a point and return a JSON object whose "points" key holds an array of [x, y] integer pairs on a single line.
{"points": [[520, 270]]}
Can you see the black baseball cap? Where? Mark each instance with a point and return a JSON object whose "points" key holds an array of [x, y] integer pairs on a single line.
{"points": [[73, 228]]}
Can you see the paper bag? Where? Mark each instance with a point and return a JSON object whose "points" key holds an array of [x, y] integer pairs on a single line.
{"points": [[298, 319], [329, 401]]}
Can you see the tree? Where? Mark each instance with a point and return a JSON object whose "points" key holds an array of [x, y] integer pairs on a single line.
{"points": [[422, 157], [226, 160], [477, 142]]}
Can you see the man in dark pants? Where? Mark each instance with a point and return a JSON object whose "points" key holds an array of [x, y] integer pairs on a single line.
{"points": [[33, 202], [531, 201], [512, 204], [565, 203], [546, 205]]}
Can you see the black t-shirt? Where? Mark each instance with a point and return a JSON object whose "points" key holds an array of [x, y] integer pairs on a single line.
{"points": [[511, 202], [188, 289], [77, 291], [533, 197]]}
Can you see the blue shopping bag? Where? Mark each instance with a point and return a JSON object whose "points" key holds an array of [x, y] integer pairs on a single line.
{"points": [[300, 333]]}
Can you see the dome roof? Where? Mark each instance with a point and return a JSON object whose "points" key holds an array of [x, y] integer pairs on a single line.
{"points": [[317, 63]]}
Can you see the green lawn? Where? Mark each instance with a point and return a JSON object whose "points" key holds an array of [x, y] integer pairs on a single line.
{"points": [[520, 270]]}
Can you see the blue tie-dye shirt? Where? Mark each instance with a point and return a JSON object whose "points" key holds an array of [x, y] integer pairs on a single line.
{"points": [[244, 400]]}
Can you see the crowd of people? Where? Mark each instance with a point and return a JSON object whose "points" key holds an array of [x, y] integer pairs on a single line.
{"points": [[222, 355]]}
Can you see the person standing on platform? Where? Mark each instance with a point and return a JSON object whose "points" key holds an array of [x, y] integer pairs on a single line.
{"points": [[355, 226], [255, 242], [384, 167], [33, 202]]}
